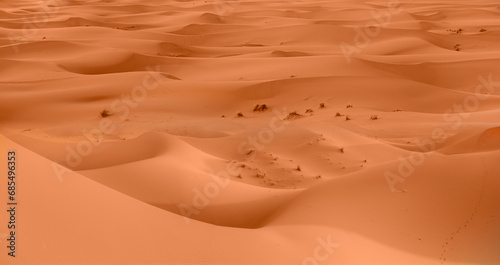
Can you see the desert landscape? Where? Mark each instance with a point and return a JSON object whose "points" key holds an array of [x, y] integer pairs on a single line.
{"points": [[250, 132]]}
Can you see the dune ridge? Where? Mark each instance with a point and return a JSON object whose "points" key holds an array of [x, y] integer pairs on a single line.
{"points": [[252, 132]]}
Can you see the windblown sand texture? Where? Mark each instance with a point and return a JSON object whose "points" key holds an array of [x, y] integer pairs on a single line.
{"points": [[379, 141]]}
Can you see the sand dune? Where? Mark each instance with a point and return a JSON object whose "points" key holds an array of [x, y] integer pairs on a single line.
{"points": [[250, 132]]}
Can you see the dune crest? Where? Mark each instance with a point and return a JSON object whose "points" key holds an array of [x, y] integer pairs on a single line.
{"points": [[249, 132]]}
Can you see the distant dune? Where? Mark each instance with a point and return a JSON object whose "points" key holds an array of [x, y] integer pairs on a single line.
{"points": [[251, 132]]}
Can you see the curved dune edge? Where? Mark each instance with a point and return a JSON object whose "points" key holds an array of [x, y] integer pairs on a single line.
{"points": [[72, 198], [388, 155]]}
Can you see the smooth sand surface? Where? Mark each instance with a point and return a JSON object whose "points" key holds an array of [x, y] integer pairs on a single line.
{"points": [[378, 141]]}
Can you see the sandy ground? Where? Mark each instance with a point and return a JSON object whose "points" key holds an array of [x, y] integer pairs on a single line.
{"points": [[250, 132]]}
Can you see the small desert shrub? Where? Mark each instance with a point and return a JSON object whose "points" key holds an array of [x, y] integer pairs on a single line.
{"points": [[349, 106], [482, 30], [347, 118], [458, 31], [298, 168], [309, 111], [262, 107], [104, 113], [321, 105], [457, 47], [239, 115], [342, 150], [292, 115], [374, 117], [338, 114]]}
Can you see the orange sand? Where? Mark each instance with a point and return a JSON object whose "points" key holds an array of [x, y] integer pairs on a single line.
{"points": [[406, 173]]}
